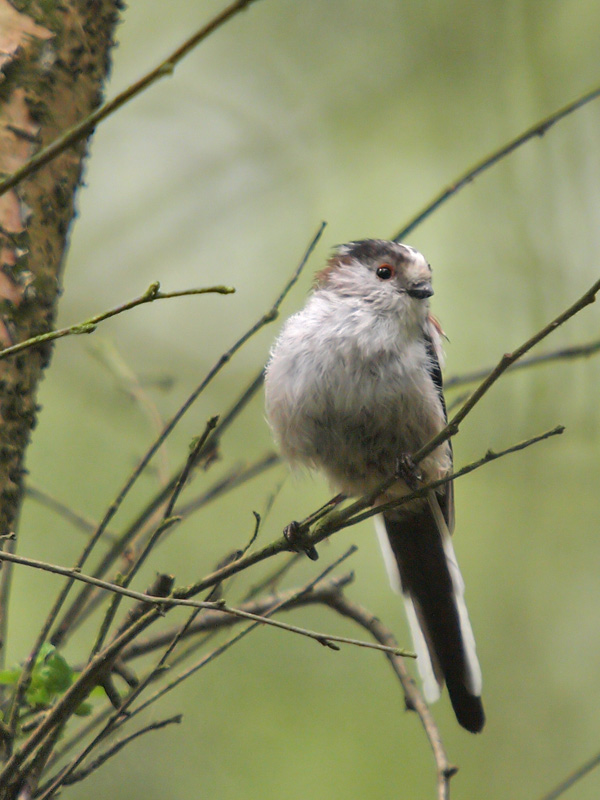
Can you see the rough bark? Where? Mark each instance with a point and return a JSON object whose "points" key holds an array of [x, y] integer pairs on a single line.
{"points": [[54, 58]]}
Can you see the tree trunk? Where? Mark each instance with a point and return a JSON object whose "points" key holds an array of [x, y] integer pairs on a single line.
{"points": [[54, 58]]}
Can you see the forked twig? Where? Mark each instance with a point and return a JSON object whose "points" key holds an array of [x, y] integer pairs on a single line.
{"points": [[338, 520], [265, 319]]}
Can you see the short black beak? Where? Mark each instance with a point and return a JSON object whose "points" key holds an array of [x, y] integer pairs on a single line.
{"points": [[420, 290]]}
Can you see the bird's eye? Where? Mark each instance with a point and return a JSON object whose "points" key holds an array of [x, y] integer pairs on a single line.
{"points": [[385, 272]]}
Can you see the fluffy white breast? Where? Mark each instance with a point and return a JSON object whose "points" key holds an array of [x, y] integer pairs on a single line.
{"points": [[348, 388]]}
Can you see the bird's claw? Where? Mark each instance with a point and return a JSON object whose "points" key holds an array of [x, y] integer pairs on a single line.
{"points": [[298, 541], [408, 471]]}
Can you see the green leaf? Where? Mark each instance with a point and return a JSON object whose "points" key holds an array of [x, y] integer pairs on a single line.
{"points": [[50, 677]]}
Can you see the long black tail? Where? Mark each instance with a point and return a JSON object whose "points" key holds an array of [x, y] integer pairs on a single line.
{"points": [[420, 557]]}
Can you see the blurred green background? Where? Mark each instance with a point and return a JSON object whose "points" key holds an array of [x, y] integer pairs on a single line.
{"points": [[356, 113]]}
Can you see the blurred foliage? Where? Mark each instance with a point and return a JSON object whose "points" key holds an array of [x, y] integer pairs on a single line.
{"points": [[357, 113], [50, 678]]}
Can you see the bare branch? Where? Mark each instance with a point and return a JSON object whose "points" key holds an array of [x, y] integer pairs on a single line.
{"points": [[169, 602], [76, 694], [81, 774], [234, 478], [82, 129], [162, 496], [167, 523], [265, 319], [563, 354], [78, 520], [491, 455], [573, 778], [214, 620], [414, 699], [118, 718], [89, 325], [505, 362], [539, 129], [190, 463], [341, 519]]}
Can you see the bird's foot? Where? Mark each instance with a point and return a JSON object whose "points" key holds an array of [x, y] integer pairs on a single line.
{"points": [[298, 541], [408, 471]]}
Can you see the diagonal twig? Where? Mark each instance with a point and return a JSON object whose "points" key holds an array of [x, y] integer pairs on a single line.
{"points": [[341, 519], [213, 620], [562, 354], [166, 603], [76, 694], [82, 774], [167, 523], [85, 602], [489, 456], [507, 360], [87, 125], [573, 778], [539, 129], [265, 319], [341, 604], [117, 718], [78, 520]]}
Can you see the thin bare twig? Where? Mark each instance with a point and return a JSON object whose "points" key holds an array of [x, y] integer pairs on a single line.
{"points": [[115, 718], [342, 519], [213, 620], [192, 459], [236, 477], [88, 604], [271, 580], [265, 319], [118, 718], [414, 699], [76, 694], [539, 129], [81, 774], [505, 362], [573, 778], [313, 586], [563, 354], [491, 455], [89, 326], [129, 382], [78, 520], [166, 603], [167, 523], [84, 128]]}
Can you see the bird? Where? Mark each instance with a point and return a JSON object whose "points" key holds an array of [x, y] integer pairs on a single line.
{"points": [[353, 387]]}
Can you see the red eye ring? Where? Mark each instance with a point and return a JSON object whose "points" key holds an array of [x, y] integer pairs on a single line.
{"points": [[385, 272]]}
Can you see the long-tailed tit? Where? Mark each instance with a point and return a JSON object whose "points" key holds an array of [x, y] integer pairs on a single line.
{"points": [[353, 384]]}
